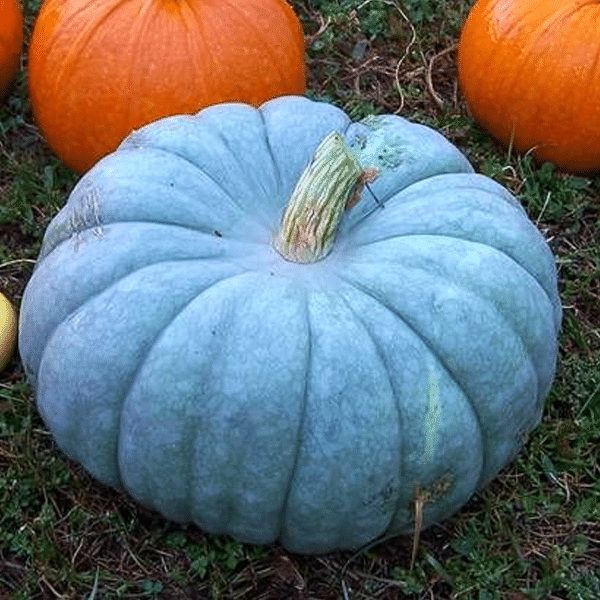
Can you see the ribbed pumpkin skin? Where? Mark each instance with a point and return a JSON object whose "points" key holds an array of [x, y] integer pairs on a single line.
{"points": [[11, 42], [98, 70], [178, 356], [530, 72]]}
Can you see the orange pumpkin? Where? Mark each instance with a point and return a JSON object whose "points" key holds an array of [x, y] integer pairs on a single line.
{"points": [[11, 42], [98, 70], [530, 73]]}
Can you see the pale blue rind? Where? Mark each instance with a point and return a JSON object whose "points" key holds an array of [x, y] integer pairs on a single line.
{"points": [[177, 356]]}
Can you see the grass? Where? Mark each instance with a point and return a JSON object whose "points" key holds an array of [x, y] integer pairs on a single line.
{"points": [[532, 534]]}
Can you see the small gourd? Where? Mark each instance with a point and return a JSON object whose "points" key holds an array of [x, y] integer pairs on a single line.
{"points": [[8, 331]]}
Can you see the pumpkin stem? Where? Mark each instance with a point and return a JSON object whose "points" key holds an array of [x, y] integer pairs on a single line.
{"points": [[331, 183]]}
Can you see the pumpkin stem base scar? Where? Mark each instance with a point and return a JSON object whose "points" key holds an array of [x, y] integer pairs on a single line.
{"points": [[332, 183]]}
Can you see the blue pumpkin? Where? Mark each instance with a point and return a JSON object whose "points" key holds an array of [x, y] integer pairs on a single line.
{"points": [[177, 354]]}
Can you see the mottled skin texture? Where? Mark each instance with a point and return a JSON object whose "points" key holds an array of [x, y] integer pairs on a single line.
{"points": [[178, 356]]}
